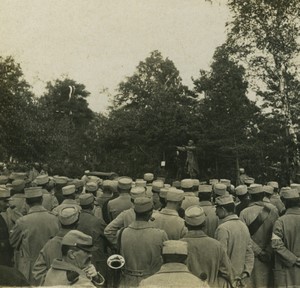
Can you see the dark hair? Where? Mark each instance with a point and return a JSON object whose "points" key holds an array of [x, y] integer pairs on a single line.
{"points": [[174, 258], [229, 207], [66, 248], [193, 228], [88, 207], [34, 200], [243, 197], [72, 226], [163, 202], [70, 196], [143, 215], [205, 196], [290, 203], [187, 189], [257, 197]]}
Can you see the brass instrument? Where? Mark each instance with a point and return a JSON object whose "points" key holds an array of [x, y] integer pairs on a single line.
{"points": [[116, 261]]}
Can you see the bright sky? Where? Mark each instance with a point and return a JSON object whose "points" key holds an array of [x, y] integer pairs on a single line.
{"points": [[100, 42]]}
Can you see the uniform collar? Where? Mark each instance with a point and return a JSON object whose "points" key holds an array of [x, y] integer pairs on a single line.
{"points": [[258, 203], [59, 264], [229, 218], [88, 211], [195, 234], [124, 195], [140, 225], [189, 194], [173, 267], [168, 211], [205, 203], [70, 201], [37, 208], [294, 210]]}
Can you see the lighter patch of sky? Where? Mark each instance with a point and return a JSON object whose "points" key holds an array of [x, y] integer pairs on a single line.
{"points": [[100, 42]]}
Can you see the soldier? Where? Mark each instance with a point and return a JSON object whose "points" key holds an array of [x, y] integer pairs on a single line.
{"points": [[60, 182], [107, 192], [149, 177], [168, 219], [68, 218], [242, 194], [92, 188], [189, 196], [234, 237], [269, 191], [260, 220], [219, 189], [123, 202], [32, 231], [174, 272], [285, 242], [6, 251], [75, 267], [212, 220], [141, 245], [156, 186], [275, 198], [207, 259], [243, 177]]}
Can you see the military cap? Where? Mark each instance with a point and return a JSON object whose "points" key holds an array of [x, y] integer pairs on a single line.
{"points": [[140, 182], [157, 185], [290, 194], [227, 182], [194, 215], [18, 175], [3, 179], [107, 183], [284, 189], [224, 200], [167, 185], [68, 215], [86, 199], [137, 191], [241, 190], [18, 185], [4, 193], [42, 179], [143, 204], [220, 189], [91, 186], [186, 184], [60, 180], [114, 185], [163, 192], [175, 195], [124, 183], [196, 182], [268, 189], [213, 181], [95, 179], [68, 190], [274, 184], [175, 247], [249, 181], [242, 170], [256, 188], [33, 192], [148, 176], [295, 186], [176, 184], [80, 240], [205, 188], [78, 183]]}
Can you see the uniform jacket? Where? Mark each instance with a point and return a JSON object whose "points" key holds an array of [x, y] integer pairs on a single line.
{"points": [[234, 237], [30, 234], [119, 204], [6, 251], [141, 247], [207, 256], [123, 220], [57, 275], [49, 252], [173, 275], [212, 220], [169, 221], [189, 200], [276, 201], [286, 243]]}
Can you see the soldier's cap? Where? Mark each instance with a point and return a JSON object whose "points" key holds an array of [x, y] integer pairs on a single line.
{"points": [[60, 180], [205, 188], [224, 200], [196, 182], [194, 215], [284, 189], [148, 176], [274, 184], [213, 181], [107, 183], [186, 184], [3, 179], [68, 190], [290, 194], [137, 191], [86, 199], [33, 192], [249, 180], [75, 238], [18, 175], [18, 185], [91, 186], [256, 188], [167, 185], [268, 189], [42, 179], [163, 192], [242, 170], [175, 247], [220, 189], [114, 185], [68, 215], [140, 182], [175, 195], [241, 190], [176, 184], [157, 185], [4, 193], [124, 183], [227, 182], [95, 179], [143, 204], [295, 186]]}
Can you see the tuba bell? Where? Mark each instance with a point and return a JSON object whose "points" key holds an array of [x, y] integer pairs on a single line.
{"points": [[115, 261]]}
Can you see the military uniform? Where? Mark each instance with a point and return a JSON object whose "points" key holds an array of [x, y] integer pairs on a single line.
{"points": [[189, 200], [141, 247], [276, 201], [212, 220], [30, 234], [119, 204], [6, 251]]}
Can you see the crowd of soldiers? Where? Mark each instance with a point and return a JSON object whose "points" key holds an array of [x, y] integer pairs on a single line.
{"points": [[60, 231]]}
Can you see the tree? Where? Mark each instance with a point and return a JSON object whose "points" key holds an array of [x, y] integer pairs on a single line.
{"points": [[228, 116]]}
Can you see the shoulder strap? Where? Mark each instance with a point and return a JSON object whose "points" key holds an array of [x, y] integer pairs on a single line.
{"points": [[259, 220]]}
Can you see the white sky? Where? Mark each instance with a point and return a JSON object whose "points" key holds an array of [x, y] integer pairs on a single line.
{"points": [[100, 42]]}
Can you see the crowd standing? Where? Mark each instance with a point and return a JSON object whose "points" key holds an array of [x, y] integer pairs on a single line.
{"points": [[60, 231]]}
